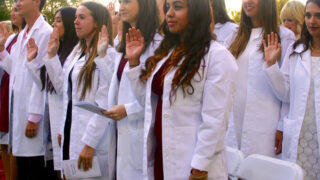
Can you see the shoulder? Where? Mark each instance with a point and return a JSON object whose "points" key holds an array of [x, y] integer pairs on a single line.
{"points": [[286, 34], [219, 53]]}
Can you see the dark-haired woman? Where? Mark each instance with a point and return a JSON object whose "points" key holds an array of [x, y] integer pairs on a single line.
{"points": [[64, 31], [224, 26], [125, 109], [298, 83], [256, 109], [186, 89]]}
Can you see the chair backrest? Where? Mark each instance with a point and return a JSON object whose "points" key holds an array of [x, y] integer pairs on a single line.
{"points": [[258, 167], [234, 158]]}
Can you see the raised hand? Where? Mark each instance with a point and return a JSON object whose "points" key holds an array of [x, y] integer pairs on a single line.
{"points": [[135, 46], [103, 41], [54, 43], [272, 49], [32, 50], [111, 8], [4, 34]]}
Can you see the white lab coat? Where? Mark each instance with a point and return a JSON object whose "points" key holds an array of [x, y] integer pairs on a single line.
{"points": [[4, 139], [292, 84], [55, 98], [27, 97], [193, 126], [262, 111], [130, 128], [88, 128], [223, 31]]}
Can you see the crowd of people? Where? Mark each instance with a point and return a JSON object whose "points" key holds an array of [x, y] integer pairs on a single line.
{"points": [[178, 81]]}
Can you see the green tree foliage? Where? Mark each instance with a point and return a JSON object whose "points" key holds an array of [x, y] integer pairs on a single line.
{"points": [[4, 10], [236, 15]]}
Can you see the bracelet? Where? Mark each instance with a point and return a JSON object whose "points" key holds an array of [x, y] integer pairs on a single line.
{"points": [[198, 178]]}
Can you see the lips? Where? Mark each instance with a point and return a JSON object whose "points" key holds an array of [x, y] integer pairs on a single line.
{"points": [[171, 23], [313, 28]]}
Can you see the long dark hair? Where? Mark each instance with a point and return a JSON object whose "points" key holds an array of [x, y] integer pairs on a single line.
{"points": [[268, 16], [68, 41], [190, 47], [102, 17], [148, 23], [220, 12], [305, 38]]}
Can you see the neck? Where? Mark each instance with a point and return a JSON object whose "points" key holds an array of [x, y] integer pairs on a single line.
{"points": [[30, 20], [88, 42], [316, 43], [20, 28], [256, 23]]}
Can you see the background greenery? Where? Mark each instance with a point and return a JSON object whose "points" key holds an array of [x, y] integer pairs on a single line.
{"points": [[53, 5]]}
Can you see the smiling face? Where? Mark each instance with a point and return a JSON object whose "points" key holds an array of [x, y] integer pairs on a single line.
{"points": [[176, 14], [16, 19], [251, 8], [58, 23], [312, 19], [84, 23], [129, 11]]}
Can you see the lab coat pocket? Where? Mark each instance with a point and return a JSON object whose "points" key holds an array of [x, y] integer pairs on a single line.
{"points": [[136, 146], [185, 142]]}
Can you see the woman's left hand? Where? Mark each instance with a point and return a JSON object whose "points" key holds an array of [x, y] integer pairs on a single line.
{"points": [[116, 113], [85, 158]]}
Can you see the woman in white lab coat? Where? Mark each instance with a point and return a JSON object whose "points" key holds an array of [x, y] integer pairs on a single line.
{"points": [[298, 83], [256, 109], [8, 160], [85, 134], [64, 32], [224, 25], [125, 109], [186, 90]]}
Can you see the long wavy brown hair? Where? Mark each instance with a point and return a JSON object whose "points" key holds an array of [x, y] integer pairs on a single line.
{"points": [[102, 17], [190, 47], [268, 16]]}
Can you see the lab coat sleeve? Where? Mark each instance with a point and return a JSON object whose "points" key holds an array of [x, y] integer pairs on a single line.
{"points": [[279, 78], [98, 124], [216, 108], [5, 61], [138, 87], [37, 100], [34, 71], [55, 72], [134, 111], [106, 64], [283, 114]]}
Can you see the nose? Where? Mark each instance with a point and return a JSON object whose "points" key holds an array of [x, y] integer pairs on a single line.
{"points": [[121, 6], [76, 21], [170, 12], [54, 24]]}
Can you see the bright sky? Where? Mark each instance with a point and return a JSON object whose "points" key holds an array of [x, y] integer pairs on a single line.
{"points": [[236, 4], [231, 4]]}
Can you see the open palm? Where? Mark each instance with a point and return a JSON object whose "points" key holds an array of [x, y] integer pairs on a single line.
{"points": [[54, 43], [103, 41], [4, 34], [272, 49], [134, 46], [32, 50]]}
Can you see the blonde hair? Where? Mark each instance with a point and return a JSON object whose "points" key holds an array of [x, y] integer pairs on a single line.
{"points": [[8, 25], [294, 10]]}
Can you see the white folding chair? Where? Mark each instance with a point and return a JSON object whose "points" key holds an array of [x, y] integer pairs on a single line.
{"points": [[258, 167], [234, 158]]}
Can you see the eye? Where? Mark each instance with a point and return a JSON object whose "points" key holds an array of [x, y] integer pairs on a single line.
{"points": [[308, 15], [317, 15]]}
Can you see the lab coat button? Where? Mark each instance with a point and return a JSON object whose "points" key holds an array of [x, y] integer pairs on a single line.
{"points": [[165, 116]]}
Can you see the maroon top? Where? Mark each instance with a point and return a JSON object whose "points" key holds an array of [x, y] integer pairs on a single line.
{"points": [[157, 88], [4, 96], [122, 64]]}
